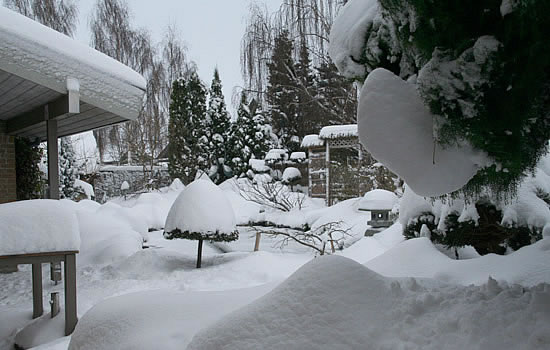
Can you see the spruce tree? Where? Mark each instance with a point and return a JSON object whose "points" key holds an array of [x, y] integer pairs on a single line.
{"points": [[335, 93], [240, 151], [68, 172], [187, 129], [282, 94], [219, 131]]}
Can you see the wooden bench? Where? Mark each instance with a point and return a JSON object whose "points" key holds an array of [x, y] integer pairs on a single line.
{"points": [[36, 259]]}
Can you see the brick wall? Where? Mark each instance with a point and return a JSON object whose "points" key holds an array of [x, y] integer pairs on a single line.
{"points": [[7, 166]]}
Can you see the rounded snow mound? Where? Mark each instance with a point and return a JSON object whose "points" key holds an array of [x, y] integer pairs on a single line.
{"points": [[37, 226], [201, 207], [378, 200], [335, 303], [326, 304]]}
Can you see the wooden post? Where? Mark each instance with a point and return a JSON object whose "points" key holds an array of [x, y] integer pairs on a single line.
{"points": [[257, 243], [331, 243], [53, 166], [199, 254], [70, 293], [327, 172], [37, 302]]}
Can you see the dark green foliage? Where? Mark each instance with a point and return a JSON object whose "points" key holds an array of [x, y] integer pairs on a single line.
{"points": [[67, 169], [486, 74], [281, 93], [219, 127], [187, 127], [207, 236], [486, 236], [250, 136], [29, 177], [412, 230]]}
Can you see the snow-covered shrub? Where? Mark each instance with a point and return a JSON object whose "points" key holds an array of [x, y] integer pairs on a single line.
{"points": [[201, 212]]}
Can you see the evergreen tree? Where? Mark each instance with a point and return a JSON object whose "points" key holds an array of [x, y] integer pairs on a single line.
{"points": [[219, 129], [67, 169], [281, 93], [187, 129], [258, 133], [336, 95], [308, 116], [240, 151], [483, 66]]}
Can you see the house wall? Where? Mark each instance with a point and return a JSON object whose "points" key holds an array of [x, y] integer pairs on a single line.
{"points": [[8, 186]]}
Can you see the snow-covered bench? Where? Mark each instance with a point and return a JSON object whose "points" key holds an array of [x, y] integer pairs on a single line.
{"points": [[42, 231]]}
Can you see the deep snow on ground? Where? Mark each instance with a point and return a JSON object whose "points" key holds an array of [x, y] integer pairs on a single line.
{"points": [[162, 300]]}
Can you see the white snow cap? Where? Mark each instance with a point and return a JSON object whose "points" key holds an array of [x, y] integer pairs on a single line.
{"points": [[378, 200], [397, 129], [298, 156], [336, 131], [86, 187], [47, 57], [277, 154], [37, 226], [124, 186], [312, 141], [291, 174], [177, 185], [201, 207], [258, 165], [348, 35]]}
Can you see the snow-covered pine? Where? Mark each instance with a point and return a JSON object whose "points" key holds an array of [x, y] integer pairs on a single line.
{"points": [[250, 136], [476, 64], [68, 172], [187, 129], [219, 128]]}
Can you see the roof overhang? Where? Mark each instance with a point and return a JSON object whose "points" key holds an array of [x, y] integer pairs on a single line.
{"points": [[45, 74]]}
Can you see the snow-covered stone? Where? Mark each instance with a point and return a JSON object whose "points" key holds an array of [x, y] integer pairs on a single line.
{"points": [[397, 129], [201, 207], [378, 199], [37, 226], [336, 131]]}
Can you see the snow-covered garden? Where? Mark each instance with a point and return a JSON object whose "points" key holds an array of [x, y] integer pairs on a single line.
{"points": [[240, 231], [137, 289]]}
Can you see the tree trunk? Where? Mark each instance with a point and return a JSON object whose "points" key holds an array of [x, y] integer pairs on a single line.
{"points": [[199, 254]]}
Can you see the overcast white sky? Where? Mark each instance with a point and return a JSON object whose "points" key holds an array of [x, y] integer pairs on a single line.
{"points": [[211, 30]]}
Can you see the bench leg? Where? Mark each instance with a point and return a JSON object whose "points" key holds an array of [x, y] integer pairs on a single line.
{"points": [[70, 293], [37, 302]]}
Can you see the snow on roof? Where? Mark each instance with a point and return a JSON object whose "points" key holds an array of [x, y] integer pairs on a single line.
{"points": [[201, 207], [298, 155], [129, 168], [258, 165], [312, 141], [37, 226], [378, 200], [336, 131], [42, 55]]}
